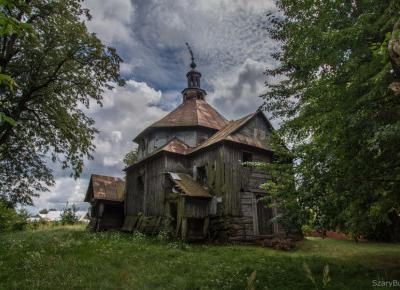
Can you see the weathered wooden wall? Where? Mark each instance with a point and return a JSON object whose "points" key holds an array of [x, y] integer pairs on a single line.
{"points": [[226, 176], [256, 128], [236, 218], [151, 203], [196, 207]]}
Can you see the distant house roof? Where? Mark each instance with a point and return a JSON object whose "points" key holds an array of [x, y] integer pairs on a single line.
{"points": [[188, 186], [53, 215], [105, 188], [192, 112]]}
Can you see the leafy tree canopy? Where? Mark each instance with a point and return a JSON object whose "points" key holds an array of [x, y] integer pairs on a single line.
{"points": [[59, 69], [335, 92], [131, 157]]}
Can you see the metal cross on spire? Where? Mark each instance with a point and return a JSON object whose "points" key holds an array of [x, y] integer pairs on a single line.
{"points": [[193, 64]]}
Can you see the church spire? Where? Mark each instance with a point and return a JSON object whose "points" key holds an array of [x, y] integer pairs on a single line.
{"points": [[193, 64], [193, 90]]}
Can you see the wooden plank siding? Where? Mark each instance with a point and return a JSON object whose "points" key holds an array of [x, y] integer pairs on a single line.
{"points": [[151, 202], [226, 176]]}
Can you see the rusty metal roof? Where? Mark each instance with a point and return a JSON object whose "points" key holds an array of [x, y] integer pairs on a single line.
{"points": [[175, 145], [192, 112], [188, 186], [227, 133], [105, 188]]}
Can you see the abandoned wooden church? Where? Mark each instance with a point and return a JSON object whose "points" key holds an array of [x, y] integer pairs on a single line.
{"points": [[189, 179]]}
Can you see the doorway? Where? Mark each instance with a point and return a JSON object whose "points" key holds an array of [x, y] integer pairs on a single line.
{"points": [[264, 216]]}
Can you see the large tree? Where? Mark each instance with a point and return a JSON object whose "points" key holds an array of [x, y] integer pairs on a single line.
{"points": [[59, 69], [335, 88]]}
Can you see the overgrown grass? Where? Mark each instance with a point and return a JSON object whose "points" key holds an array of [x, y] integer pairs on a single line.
{"points": [[71, 258]]}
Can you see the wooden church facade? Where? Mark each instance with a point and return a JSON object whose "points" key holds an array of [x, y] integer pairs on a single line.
{"points": [[190, 179]]}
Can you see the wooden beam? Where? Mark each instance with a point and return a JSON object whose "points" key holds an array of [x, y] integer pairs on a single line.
{"points": [[255, 215], [184, 228], [205, 226]]}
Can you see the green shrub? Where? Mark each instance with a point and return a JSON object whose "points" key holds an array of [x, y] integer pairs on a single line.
{"points": [[10, 219], [68, 216], [306, 229]]}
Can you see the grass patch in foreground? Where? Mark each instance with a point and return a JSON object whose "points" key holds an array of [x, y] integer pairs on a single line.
{"points": [[71, 258]]}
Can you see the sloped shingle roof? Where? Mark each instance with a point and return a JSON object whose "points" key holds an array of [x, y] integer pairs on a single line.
{"points": [[188, 186], [192, 112], [227, 133]]}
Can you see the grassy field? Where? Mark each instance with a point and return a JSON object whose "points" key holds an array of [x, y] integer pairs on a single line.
{"points": [[71, 258]]}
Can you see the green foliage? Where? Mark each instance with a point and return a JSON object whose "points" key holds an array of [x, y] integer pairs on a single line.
{"points": [[281, 188], [68, 216], [10, 219], [131, 157], [57, 70], [71, 258], [342, 122], [10, 25]]}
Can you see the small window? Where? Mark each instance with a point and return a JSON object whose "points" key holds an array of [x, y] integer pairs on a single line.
{"points": [[201, 175], [247, 157]]}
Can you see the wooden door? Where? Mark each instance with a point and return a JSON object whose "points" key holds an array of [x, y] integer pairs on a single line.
{"points": [[264, 216]]}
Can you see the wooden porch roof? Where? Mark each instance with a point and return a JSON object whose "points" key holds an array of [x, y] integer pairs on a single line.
{"points": [[188, 186]]}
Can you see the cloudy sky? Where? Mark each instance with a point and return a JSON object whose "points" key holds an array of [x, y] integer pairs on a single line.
{"points": [[231, 48]]}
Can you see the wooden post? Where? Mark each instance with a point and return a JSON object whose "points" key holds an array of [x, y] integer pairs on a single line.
{"points": [[184, 228], [178, 226], [205, 226], [275, 228], [255, 216]]}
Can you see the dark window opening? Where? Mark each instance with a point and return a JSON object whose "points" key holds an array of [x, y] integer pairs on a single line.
{"points": [[195, 227], [202, 175], [113, 210], [264, 215], [247, 157], [174, 214], [140, 185]]}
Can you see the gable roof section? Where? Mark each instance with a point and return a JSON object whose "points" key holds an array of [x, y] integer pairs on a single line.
{"points": [[228, 133], [105, 188], [175, 145], [192, 112], [188, 186]]}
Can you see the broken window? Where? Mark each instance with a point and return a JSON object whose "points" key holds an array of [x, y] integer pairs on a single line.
{"points": [[173, 211], [201, 176]]}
